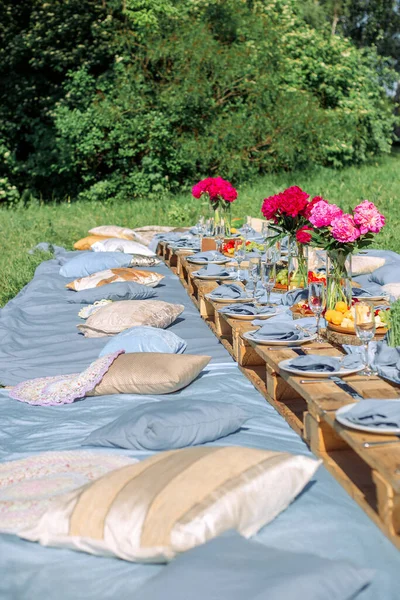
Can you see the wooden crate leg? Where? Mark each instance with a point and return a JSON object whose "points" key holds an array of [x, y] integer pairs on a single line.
{"points": [[222, 327], [388, 503], [206, 309], [321, 437]]}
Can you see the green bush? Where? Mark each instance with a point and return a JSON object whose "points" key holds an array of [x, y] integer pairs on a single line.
{"points": [[163, 92]]}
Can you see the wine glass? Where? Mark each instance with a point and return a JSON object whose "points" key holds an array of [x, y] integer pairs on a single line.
{"points": [[255, 272], [364, 321], [317, 303], [239, 254], [268, 278], [219, 234]]}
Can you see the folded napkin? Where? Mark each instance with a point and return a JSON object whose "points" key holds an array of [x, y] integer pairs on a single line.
{"points": [[214, 270], [248, 309], [383, 359], [378, 413], [282, 331], [207, 256], [357, 292], [287, 299], [229, 290], [324, 364]]}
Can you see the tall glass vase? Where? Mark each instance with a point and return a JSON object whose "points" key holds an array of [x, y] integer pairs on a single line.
{"points": [[338, 278], [221, 213], [297, 264]]}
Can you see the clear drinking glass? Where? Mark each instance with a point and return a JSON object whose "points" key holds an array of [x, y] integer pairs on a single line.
{"points": [[239, 254], [317, 303], [219, 234], [255, 272], [268, 278], [364, 321]]}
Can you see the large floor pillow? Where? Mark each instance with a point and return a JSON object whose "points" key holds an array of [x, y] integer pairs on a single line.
{"points": [[144, 235], [87, 242], [113, 231], [119, 245], [87, 263], [113, 276], [29, 485], [174, 501], [118, 316]]}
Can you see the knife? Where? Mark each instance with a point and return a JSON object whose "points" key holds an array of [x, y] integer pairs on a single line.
{"points": [[345, 387]]}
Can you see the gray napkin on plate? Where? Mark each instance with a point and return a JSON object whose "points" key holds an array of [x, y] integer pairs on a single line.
{"points": [[357, 292], [247, 309], [384, 359], [279, 331], [229, 290], [324, 364], [378, 413], [214, 270], [207, 256]]}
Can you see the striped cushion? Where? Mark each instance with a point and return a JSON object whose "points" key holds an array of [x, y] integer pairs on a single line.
{"points": [[174, 501], [113, 276]]}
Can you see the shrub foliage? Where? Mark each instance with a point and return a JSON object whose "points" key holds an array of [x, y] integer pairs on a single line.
{"points": [[122, 98]]}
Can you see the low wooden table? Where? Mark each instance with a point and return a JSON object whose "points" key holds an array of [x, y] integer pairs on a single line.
{"points": [[370, 475]]}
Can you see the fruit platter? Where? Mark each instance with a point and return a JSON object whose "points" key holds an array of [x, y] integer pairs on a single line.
{"points": [[229, 247], [341, 319]]}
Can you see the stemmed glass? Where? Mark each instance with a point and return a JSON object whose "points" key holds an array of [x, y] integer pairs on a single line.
{"points": [[268, 278], [317, 303], [219, 234], [239, 254], [364, 321], [255, 272]]}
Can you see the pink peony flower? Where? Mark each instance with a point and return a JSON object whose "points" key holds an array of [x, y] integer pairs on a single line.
{"points": [[344, 229], [368, 217], [270, 207], [323, 213], [217, 189], [311, 204], [303, 235]]}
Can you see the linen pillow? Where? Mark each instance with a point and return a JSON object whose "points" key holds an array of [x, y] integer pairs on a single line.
{"points": [[170, 424], [230, 567], [363, 264], [118, 245], [150, 373], [86, 242], [123, 290], [387, 274], [144, 235], [392, 289], [144, 261], [145, 339], [110, 276], [113, 231], [174, 501], [119, 316], [91, 262]]}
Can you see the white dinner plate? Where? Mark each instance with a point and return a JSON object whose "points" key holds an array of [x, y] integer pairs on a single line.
{"points": [[247, 317], [221, 261], [214, 277], [341, 418], [285, 365], [227, 300], [266, 342], [370, 298]]}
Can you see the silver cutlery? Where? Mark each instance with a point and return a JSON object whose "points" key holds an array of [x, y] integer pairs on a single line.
{"points": [[383, 443]]}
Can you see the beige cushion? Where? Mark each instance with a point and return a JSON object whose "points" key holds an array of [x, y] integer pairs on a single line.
{"points": [[113, 231], [112, 276], [87, 242], [118, 316], [144, 235], [150, 373], [174, 501], [362, 265], [119, 245], [392, 289]]}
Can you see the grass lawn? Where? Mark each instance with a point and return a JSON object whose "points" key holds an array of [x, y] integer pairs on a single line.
{"points": [[63, 224]]}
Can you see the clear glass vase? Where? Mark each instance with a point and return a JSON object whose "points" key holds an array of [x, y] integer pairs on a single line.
{"points": [[221, 213], [297, 264], [338, 278]]}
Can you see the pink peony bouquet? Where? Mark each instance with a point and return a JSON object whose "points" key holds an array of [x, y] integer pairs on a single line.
{"points": [[216, 188], [334, 229]]}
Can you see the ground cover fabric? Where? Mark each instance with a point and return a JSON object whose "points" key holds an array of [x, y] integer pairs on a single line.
{"points": [[39, 338]]}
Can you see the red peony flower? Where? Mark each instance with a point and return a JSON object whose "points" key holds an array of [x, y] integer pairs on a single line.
{"points": [[270, 207], [216, 188], [303, 236], [294, 201]]}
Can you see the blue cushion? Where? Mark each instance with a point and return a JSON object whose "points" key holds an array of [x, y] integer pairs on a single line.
{"points": [[87, 263], [120, 290], [145, 339], [170, 424], [230, 567], [386, 274]]}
